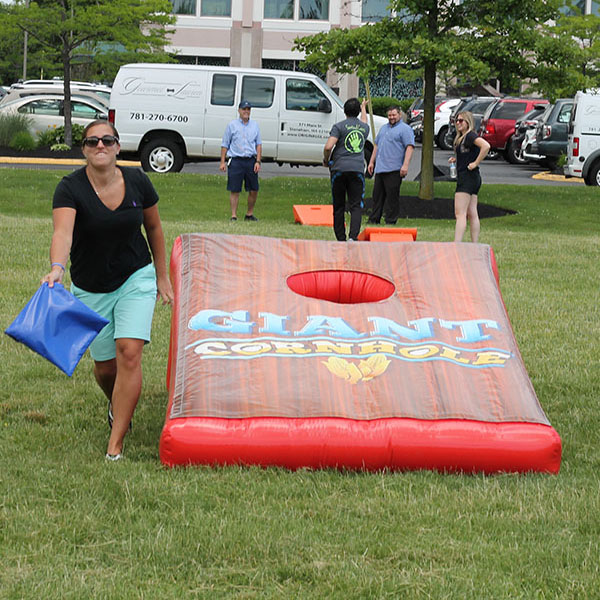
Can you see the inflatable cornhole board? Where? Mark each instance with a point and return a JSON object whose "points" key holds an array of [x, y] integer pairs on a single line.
{"points": [[362, 356]]}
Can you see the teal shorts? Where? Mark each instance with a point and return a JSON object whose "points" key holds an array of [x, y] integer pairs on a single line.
{"points": [[129, 310]]}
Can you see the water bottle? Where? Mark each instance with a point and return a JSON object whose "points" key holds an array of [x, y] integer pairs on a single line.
{"points": [[453, 170]]}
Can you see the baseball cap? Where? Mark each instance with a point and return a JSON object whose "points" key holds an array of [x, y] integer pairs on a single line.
{"points": [[245, 104]]}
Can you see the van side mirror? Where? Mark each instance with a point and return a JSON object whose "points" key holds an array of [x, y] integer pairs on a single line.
{"points": [[324, 105]]}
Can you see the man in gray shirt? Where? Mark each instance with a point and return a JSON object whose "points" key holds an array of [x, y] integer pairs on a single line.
{"points": [[344, 155]]}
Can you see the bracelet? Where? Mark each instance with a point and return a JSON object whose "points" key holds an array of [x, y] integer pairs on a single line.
{"points": [[58, 265]]}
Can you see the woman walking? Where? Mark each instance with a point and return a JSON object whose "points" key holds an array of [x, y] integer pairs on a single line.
{"points": [[97, 213], [470, 151]]}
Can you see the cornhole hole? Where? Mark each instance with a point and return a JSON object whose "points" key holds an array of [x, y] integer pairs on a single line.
{"points": [[388, 234], [318, 354], [314, 214]]}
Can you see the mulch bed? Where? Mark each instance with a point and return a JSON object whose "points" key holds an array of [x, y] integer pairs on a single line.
{"points": [[41, 153]]}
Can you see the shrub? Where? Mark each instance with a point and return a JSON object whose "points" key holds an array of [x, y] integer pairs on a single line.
{"points": [[380, 105], [10, 125], [51, 137], [22, 140], [59, 147]]}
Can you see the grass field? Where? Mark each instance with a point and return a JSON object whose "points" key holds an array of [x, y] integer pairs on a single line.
{"points": [[72, 526]]}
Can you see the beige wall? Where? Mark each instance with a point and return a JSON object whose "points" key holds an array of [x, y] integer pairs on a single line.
{"points": [[246, 37]]}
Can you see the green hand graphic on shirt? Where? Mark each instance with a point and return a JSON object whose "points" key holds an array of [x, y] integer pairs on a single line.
{"points": [[354, 142]]}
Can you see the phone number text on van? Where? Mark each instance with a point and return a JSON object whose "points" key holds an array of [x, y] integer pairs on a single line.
{"points": [[137, 116]]}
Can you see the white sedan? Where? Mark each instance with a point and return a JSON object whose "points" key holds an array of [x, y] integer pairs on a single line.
{"points": [[47, 111]]}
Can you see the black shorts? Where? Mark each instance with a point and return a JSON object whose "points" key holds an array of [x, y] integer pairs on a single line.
{"points": [[242, 170], [468, 182]]}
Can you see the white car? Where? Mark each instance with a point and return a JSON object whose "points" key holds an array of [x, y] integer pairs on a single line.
{"points": [[47, 111], [441, 119]]}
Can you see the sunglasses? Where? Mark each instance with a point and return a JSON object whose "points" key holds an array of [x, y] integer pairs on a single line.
{"points": [[107, 140], [460, 120]]}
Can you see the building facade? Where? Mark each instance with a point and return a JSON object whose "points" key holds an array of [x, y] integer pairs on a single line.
{"points": [[261, 33]]}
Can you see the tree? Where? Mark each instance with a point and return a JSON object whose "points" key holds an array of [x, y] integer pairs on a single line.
{"points": [[569, 56], [69, 26], [480, 39]]}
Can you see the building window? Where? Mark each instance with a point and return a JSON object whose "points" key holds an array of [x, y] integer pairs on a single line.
{"points": [[223, 90], [215, 8], [184, 7], [375, 10], [313, 10], [595, 8], [279, 9], [259, 91]]}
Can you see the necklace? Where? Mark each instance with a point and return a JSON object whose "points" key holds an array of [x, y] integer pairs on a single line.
{"points": [[98, 188]]}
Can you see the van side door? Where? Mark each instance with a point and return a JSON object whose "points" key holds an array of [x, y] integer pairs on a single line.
{"points": [[227, 91], [307, 116]]}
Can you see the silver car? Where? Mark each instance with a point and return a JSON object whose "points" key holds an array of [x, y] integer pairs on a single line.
{"points": [[47, 111]]}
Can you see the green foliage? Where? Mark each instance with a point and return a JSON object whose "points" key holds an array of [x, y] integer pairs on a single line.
{"points": [[10, 125], [73, 28], [52, 137], [382, 103], [479, 39], [23, 140], [59, 147], [568, 56]]}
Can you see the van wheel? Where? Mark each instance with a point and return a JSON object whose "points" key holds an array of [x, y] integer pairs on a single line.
{"points": [[162, 156], [593, 176]]}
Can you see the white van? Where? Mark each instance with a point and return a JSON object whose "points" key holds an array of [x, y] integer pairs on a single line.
{"points": [[169, 114], [583, 150]]}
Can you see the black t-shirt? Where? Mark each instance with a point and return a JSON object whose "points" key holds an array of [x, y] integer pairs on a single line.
{"points": [[108, 245], [466, 152]]}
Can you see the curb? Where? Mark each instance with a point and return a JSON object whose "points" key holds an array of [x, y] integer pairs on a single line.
{"points": [[58, 161], [548, 176]]}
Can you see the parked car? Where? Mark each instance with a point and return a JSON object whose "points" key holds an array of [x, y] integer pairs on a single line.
{"points": [[498, 123], [477, 105], [441, 119], [525, 129], [47, 112], [416, 108], [24, 92], [553, 131], [57, 85], [583, 151]]}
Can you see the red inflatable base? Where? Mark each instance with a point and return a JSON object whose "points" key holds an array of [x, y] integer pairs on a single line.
{"points": [[396, 444]]}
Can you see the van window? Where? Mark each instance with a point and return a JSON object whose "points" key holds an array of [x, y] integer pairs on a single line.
{"points": [[302, 95], [508, 110], [259, 91], [223, 90]]}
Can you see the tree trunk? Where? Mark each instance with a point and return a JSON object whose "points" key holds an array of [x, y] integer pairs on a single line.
{"points": [[66, 60], [426, 183]]}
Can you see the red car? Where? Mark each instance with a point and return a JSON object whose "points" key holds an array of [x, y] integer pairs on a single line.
{"points": [[498, 123]]}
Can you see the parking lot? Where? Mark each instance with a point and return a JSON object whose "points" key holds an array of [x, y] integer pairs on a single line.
{"points": [[493, 171]]}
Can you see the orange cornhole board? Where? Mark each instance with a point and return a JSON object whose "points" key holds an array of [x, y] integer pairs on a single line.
{"points": [[388, 234], [314, 214], [308, 353]]}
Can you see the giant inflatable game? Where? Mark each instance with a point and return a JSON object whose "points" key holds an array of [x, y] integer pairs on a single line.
{"points": [[361, 355]]}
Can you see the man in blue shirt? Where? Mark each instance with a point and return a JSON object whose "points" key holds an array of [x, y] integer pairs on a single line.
{"points": [[242, 145], [393, 149]]}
